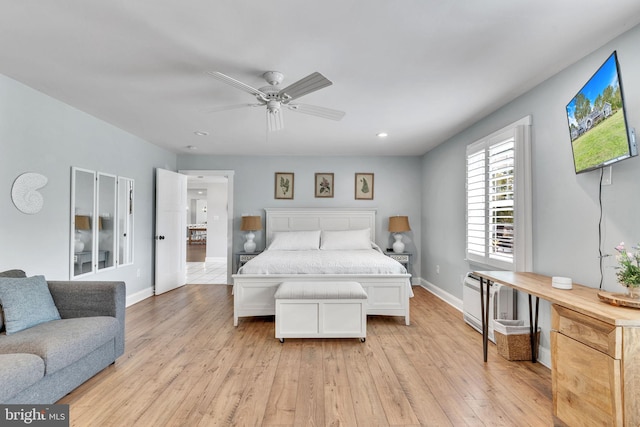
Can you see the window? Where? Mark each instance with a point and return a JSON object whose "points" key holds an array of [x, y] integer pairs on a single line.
{"points": [[499, 198]]}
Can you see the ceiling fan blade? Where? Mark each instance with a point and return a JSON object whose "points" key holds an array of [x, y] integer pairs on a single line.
{"points": [[275, 121], [314, 110], [227, 107], [237, 84], [311, 83]]}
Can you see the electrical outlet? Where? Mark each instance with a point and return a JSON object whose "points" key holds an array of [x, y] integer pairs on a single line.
{"points": [[437, 269], [606, 175]]}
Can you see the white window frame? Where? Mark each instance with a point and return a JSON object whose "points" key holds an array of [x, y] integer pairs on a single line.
{"points": [[521, 257]]}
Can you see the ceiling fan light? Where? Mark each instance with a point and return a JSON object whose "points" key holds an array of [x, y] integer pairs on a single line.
{"points": [[275, 122], [273, 106]]}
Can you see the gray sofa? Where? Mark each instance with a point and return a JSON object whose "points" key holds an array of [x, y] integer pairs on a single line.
{"points": [[43, 363]]}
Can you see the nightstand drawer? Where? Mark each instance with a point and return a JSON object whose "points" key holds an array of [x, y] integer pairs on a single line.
{"points": [[247, 257], [401, 258]]}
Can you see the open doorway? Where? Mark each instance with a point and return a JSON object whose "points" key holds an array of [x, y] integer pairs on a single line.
{"points": [[208, 233]]}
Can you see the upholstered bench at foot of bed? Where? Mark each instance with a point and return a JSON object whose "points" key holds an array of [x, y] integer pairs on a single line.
{"points": [[321, 310]]}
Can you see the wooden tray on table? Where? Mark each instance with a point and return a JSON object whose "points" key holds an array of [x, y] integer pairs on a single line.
{"points": [[620, 300]]}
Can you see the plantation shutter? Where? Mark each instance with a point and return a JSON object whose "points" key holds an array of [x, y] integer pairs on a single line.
{"points": [[476, 203], [492, 229]]}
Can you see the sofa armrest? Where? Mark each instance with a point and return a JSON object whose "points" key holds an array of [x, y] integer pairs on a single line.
{"points": [[86, 299]]}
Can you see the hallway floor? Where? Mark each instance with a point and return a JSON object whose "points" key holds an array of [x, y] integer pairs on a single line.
{"points": [[203, 273]]}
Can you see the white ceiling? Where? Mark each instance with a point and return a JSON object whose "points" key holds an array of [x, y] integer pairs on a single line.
{"points": [[421, 70]]}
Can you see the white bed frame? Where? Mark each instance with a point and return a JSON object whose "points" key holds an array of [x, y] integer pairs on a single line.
{"points": [[388, 294]]}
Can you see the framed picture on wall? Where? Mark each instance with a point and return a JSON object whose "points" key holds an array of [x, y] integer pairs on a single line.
{"points": [[364, 186], [324, 184], [284, 185]]}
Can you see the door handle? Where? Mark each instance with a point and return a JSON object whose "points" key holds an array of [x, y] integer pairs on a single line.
{"points": [[160, 237]]}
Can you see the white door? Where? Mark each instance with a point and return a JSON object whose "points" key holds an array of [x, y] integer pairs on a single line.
{"points": [[171, 228]]}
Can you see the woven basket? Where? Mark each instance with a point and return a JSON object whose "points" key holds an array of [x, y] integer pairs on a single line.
{"points": [[514, 346]]}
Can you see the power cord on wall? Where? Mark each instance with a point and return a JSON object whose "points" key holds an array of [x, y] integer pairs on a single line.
{"points": [[600, 255]]}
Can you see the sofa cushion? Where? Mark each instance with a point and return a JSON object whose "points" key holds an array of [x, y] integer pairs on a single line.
{"points": [[26, 302], [17, 372], [9, 273], [13, 273], [62, 342]]}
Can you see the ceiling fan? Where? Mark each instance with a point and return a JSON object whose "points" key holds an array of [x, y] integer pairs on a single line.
{"points": [[275, 98]]}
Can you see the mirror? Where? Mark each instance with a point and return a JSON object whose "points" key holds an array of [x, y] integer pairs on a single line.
{"points": [[106, 210], [125, 221], [82, 224], [101, 222]]}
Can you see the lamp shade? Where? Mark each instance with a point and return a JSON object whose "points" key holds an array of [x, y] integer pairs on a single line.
{"points": [[251, 223], [83, 222], [399, 224]]}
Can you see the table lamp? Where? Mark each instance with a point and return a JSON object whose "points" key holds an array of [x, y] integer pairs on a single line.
{"points": [[83, 222], [250, 224], [398, 225]]}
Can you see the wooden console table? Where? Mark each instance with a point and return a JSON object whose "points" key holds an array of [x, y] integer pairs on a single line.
{"points": [[595, 350]]}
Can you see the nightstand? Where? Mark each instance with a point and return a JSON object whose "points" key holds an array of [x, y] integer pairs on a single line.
{"points": [[403, 258], [244, 257]]}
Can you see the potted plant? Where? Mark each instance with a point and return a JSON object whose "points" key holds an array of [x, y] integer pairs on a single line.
{"points": [[629, 269]]}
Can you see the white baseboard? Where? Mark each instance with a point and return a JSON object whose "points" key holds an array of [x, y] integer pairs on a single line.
{"points": [[215, 259], [139, 296], [544, 354], [444, 296]]}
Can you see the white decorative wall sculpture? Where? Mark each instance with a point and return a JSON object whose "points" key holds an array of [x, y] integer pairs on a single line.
{"points": [[25, 194]]}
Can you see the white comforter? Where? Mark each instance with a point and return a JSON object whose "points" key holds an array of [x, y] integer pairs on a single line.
{"points": [[368, 261]]}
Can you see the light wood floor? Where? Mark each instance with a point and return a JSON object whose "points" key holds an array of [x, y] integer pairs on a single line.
{"points": [[186, 365]]}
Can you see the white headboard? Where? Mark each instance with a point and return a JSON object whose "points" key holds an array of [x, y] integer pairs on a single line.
{"points": [[308, 219]]}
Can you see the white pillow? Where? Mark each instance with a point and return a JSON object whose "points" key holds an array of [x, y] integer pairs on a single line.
{"points": [[295, 241], [346, 240]]}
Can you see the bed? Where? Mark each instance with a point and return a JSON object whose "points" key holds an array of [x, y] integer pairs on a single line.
{"points": [[387, 283]]}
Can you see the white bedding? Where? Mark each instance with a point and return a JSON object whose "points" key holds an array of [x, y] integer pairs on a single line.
{"points": [[367, 261]]}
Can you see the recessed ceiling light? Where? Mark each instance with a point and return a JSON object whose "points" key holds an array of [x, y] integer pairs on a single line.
{"points": [[201, 133], [382, 135], [191, 147]]}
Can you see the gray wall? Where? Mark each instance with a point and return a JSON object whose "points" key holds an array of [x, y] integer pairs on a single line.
{"points": [[396, 188], [565, 205], [217, 220], [43, 135]]}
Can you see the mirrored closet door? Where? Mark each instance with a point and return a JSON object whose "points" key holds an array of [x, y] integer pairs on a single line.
{"points": [[106, 209], [101, 222], [83, 201]]}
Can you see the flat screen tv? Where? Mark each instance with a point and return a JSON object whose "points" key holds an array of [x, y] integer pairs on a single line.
{"points": [[597, 121]]}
